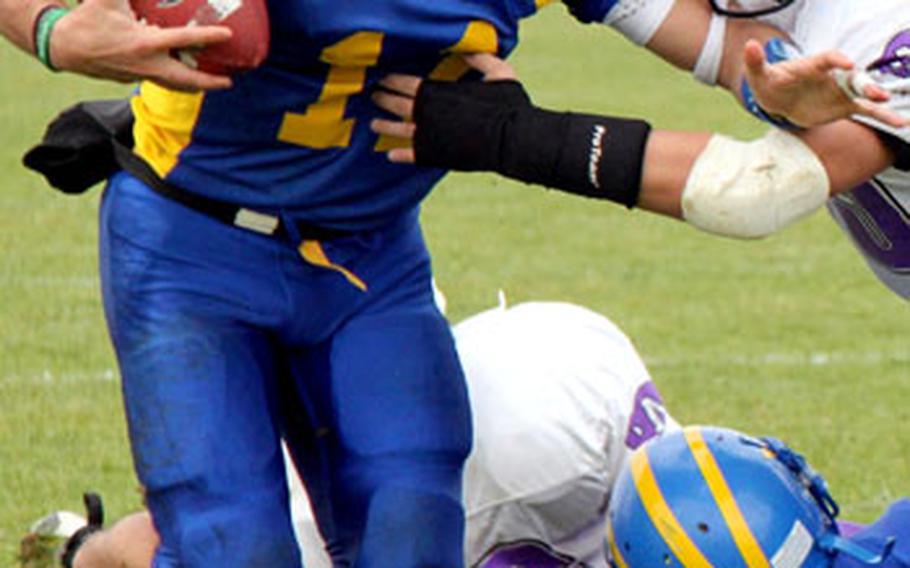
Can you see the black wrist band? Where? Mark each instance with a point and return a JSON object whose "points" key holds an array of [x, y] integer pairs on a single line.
{"points": [[494, 127], [593, 156]]}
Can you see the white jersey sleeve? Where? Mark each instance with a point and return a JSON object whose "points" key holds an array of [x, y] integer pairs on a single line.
{"points": [[876, 36], [638, 20], [559, 398]]}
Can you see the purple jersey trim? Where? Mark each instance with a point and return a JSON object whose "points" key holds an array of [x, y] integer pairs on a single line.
{"points": [[527, 554], [849, 529], [649, 417], [879, 225]]}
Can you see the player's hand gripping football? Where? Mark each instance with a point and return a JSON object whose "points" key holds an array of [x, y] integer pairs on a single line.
{"points": [[808, 92], [402, 91], [104, 39]]}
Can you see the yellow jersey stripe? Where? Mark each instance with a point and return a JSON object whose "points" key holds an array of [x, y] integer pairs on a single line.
{"points": [[748, 546], [164, 124], [313, 253], [662, 516], [478, 37]]}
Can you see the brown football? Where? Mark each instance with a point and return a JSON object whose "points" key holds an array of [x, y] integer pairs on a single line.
{"points": [[248, 20]]}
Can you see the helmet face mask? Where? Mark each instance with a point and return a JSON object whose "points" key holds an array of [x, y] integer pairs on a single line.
{"points": [[748, 8]]}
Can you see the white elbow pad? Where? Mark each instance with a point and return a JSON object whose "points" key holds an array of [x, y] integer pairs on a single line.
{"points": [[752, 189], [638, 20]]}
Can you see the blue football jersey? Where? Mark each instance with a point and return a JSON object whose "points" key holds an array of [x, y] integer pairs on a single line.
{"points": [[294, 134]]}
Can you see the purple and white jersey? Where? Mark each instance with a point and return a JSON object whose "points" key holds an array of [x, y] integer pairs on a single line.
{"points": [[876, 35], [560, 398]]}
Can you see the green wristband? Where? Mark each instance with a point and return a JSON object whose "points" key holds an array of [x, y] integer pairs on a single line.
{"points": [[44, 25]]}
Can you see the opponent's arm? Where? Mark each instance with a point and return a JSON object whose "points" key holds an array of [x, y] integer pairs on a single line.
{"points": [[734, 188], [103, 39], [726, 52], [756, 188], [685, 33]]}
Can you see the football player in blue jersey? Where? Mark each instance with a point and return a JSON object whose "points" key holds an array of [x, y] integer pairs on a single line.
{"points": [[269, 252], [261, 249]]}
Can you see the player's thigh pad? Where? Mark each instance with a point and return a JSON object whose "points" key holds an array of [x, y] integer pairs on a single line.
{"points": [[389, 398], [200, 401]]}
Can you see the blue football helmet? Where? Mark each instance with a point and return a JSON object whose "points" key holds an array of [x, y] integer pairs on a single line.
{"points": [[711, 497], [748, 8]]}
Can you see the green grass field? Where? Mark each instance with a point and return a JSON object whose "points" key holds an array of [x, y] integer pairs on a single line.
{"points": [[790, 336]]}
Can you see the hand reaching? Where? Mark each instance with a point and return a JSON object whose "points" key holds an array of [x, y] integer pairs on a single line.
{"points": [[401, 91], [807, 91], [103, 39]]}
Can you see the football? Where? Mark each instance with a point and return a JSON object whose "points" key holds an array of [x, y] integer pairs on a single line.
{"points": [[247, 19]]}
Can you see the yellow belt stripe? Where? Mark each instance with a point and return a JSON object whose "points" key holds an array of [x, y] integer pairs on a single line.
{"points": [[662, 516], [313, 253], [748, 547]]}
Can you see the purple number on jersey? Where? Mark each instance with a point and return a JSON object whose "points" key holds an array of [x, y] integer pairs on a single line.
{"points": [[877, 222], [526, 553], [648, 416]]}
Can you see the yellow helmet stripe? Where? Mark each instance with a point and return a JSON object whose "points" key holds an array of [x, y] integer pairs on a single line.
{"points": [[748, 547], [662, 516]]}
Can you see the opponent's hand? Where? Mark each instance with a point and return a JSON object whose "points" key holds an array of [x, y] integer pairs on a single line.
{"points": [[401, 92], [806, 90], [103, 39]]}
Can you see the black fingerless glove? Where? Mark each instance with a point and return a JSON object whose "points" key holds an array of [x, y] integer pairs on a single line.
{"points": [[461, 126], [493, 126]]}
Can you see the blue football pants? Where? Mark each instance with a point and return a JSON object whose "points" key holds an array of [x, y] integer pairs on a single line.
{"points": [[229, 341]]}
